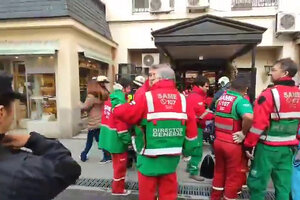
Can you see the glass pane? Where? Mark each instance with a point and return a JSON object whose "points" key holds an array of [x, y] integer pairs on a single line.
{"points": [[141, 3], [42, 96]]}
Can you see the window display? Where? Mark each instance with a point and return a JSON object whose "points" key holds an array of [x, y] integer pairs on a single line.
{"points": [[88, 69], [42, 96]]}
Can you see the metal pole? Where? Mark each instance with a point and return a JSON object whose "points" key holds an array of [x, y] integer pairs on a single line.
{"points": [[253, 75]]}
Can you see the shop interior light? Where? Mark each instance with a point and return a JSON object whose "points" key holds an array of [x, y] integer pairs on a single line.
{"points": [[89, 61], [51, 57], [40, 57], [201, 57], [16, 57]]}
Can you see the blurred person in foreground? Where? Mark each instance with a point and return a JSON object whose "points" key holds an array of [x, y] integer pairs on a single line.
{"points": [[39, 174]]}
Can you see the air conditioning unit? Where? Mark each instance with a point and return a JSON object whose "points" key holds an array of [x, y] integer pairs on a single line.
{"points": [[287, 22], [150, 59], [197, 4], [161, 6]]}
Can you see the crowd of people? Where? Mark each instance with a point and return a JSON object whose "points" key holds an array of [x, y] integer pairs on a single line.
{"points": [[161, 124], [156, 127]]}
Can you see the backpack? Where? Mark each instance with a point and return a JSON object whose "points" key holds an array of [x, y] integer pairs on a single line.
{"points": [[207, 167]]}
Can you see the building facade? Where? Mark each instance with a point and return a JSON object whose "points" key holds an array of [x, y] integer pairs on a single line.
{"points": [[132, 22], [52, 48]]}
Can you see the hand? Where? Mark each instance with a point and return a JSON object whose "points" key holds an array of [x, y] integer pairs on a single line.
{"points": [[297, 156], [15, 141], [249, 152], [238, 137]]}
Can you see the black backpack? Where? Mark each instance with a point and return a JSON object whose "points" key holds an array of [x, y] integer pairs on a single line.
{"points": [[207, 167]]}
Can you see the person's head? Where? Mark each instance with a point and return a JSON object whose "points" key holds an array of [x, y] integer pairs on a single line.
{"points": [[285, 67], [224, 80], [95, 89], [203, 83], [126, 85], [7, 98], [160, 72], [102, 80], [240, 85], [139, 81]]}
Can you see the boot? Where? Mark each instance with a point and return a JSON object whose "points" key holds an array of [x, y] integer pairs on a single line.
{"points": [[197, 178]]}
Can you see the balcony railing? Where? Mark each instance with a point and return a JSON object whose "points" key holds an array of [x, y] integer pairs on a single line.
{"points": [[249, 4]]}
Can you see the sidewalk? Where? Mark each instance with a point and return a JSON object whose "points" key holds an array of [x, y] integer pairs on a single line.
{"points": [[93, 169]]}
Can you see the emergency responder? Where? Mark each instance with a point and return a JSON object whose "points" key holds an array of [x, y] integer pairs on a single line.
{"points": [[168, 126], [115, 138], [273, 133], [233, 116], [197, 99], [224, 84]]}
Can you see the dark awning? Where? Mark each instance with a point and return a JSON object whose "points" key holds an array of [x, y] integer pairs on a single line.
{"points": [[208, 36]]}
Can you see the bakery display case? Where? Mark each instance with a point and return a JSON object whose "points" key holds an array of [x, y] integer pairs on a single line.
{"points": [[42, 96]]}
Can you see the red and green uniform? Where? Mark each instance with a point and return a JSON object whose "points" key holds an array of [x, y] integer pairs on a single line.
{"points": [[197, 99], [115, 138], [230, 168], [167, 126], [274, 132]]}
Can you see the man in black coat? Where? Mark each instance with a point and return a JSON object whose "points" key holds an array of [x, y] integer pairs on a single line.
{"points": [[38, 174]]}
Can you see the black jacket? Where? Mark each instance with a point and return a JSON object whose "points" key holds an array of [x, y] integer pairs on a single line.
{"points": [[40, 175]]}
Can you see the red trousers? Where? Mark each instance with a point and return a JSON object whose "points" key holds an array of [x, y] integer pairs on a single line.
{"points": [[166, 185], [230, 170], [120, 165]]}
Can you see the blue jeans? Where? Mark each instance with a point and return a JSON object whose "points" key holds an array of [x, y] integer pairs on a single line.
{"points": [[93, 133]]}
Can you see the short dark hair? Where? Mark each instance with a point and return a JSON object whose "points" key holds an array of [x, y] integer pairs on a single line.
{"points": [[240, 84], [124, 82], [287, 64], [201, 80], [6, 100]]}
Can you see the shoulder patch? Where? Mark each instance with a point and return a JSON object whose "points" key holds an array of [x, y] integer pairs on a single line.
{"points": [[261, 100]]}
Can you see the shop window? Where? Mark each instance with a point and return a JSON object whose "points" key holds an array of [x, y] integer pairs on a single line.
{"points": [[140, 6], [89, 68], [42, 96]]}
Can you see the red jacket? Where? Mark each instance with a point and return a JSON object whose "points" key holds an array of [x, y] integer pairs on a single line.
{"points": [[197, 99], [137, 110], [264, 107], [109, 121]]}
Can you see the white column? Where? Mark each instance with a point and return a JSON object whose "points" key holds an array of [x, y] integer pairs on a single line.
{"points": [[68, 94]]}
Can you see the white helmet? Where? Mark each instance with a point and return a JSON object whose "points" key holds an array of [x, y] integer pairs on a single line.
{"points": [[139, 80], [102, 79], [117, 86], [223, 81]]}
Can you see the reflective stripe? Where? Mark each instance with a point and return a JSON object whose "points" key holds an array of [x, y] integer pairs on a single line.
{"points": [[113, 129], [276, 98], [119, 179], [133, 143], [285, 115], [256, 131], [205, 113], [223, 126], [183, 103], [162, 151], [228, 198], [191, 139], [218, 188], [278, 139], [166, 115], [120, 132], [150, 104]]}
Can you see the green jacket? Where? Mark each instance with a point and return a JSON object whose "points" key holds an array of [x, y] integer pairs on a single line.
{"points": [[114, 136]]}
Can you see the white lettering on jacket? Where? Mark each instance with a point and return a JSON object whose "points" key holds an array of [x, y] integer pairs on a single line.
{"points": [[107, 111], [167, 132], [167, 99]]}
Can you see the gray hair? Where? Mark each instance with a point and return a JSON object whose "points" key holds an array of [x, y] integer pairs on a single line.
{"points": [[164, 71]]}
